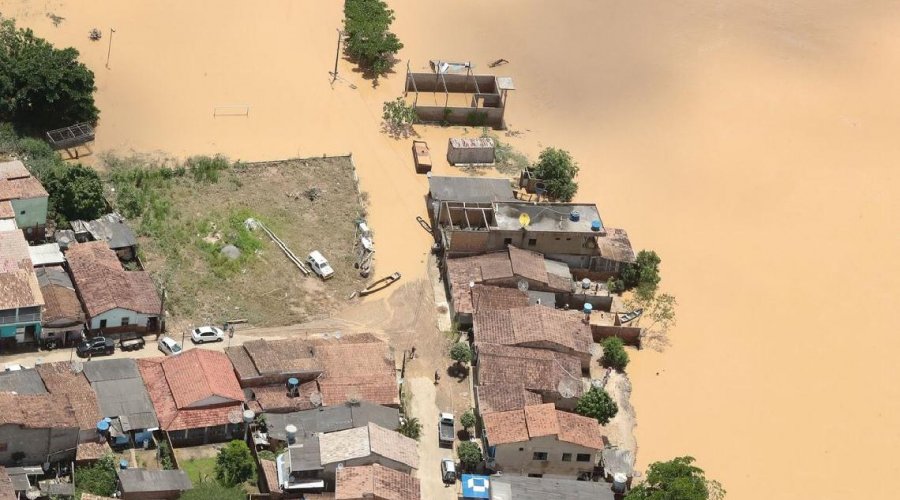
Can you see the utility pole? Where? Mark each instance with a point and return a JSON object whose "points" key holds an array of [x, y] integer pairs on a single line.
{"points": [[337, 55], [109, 50]]}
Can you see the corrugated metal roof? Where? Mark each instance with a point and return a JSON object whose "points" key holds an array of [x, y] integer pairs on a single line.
{"points": [[22, 382], [46, 254], [508, 487], [470, 189]]}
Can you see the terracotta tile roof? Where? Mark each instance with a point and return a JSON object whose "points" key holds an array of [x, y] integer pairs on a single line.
{"points": [[18, 283], [7, 490], [14, 169], [104, 285], [532, 325], [541, 420], [505, 397], [375, 482], [517, 426], [91, 496], [37, 411], [505, 427], [616, 246], [6, 210], [528, 264], [391, 444], [494, 298], [270, 475], [92, 451], [363, 371], [60, 302], [171, 417], [534, 369], [66, 379], [580, 430], [199, 377], [286, 357], [275, 398]]}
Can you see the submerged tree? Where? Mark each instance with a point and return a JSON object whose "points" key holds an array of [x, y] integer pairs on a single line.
{"points": [[558, 171], [643, 274], [369, 40], [677, 479], [42, 87]]}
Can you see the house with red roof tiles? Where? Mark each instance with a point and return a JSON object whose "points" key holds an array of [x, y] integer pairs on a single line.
{"points": [[196, 396], [541, 441], [114, 299], [375, 482], [23, 198]]}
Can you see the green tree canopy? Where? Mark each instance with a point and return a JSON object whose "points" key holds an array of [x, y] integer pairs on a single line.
{"points": [[469, 454], [677, 479], [211, 490], [461, 353], [234, 464], [42, 87], [596, 403], [643, 274], [76, 193], [467, 420], [99, 478], [558, 171], [369, 40], [614, 355]]}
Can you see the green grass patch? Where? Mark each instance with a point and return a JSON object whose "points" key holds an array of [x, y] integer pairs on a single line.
{"points": [[200, 469]]}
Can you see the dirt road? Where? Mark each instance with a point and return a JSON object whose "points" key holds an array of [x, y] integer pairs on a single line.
{"points": [[424, 408]]}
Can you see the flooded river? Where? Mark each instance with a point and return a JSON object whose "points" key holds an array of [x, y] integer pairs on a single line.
{"points": [[752, 144]]}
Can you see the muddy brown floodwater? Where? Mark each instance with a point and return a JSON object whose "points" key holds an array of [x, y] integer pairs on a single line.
{"points": [[751, 143]]}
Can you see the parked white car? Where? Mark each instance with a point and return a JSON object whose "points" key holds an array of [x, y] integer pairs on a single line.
{"points": [[205, 334], [320, 265], [169, 347], [448, 471]]}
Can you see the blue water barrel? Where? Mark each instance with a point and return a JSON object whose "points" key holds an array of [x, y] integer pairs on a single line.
{"points": [[588, 308], [574, 216], [123, 464], [595, 225], [102, 426]]}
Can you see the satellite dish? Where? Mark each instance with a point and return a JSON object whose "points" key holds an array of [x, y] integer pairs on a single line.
{"points": [[316, 398], [524, 220], [566, 388], [523, 286], [235, 416]]}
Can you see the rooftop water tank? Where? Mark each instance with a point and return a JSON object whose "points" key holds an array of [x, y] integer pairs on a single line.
{"points": [[586, 283], [291, 432], [595, 225], [249, 415], [103, 426], [619, 483], [588, 308], [574, 216], [123, 464], [293, 386]]}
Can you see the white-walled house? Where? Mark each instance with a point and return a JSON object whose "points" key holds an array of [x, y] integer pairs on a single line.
{"points": [[114, 300]]}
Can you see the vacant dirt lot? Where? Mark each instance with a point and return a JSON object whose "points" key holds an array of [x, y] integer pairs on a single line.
{"points": [[310, 204]]}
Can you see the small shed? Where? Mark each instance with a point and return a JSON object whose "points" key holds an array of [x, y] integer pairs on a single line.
{"points": [[140, 484], [47, 254], [475, 487], [470, 151]]}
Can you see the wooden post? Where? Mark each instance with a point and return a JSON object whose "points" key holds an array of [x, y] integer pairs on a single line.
{"points": [[109, 50], [337, 55]]}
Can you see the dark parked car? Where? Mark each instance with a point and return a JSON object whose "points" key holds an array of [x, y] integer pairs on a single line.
{"points": [[95, 346]]}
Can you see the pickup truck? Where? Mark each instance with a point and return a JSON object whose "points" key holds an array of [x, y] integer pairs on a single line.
{"points": [[446, 431], [131, 342]]}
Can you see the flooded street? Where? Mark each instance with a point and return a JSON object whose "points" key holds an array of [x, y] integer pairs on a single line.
{"points": [[751, 144]]}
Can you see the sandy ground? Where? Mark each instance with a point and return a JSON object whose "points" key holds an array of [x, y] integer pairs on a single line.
{"points": [[752, 144]]}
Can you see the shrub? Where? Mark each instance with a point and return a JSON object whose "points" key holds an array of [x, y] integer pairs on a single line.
{"points": [[469, 455], [614, 355], [676, 479], [234, 464], [369, 41], [411, 428], [467, 420], [398, 117], [558, 171], [211, 490], [99, 478], [596, 403], [461, 353], [643, 274], [76, 193], [42, 87]]}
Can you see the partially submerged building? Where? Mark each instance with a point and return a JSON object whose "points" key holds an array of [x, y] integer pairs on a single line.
{"points": [[20, 294], [114, 300], [541, 441], [468, 99], [196, 396], [536, 326], [24, 197], [572, 233]]}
